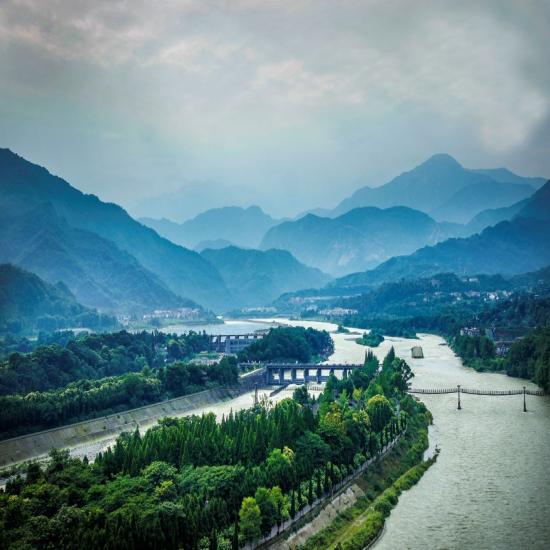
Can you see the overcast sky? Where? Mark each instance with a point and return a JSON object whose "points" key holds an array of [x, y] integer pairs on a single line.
{"points": [[287, 104]]}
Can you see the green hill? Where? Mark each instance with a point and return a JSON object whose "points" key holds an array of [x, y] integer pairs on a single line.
{"points": [[28, 304]]}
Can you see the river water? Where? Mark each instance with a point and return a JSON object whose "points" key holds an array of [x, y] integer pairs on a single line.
{"points": [[230, 326], [490, 487]]}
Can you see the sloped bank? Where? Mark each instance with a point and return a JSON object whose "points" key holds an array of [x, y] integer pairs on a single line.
{"points": [[30, 446], [356, 522]]}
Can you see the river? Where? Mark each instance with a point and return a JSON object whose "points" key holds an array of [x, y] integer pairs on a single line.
{"points": [[490, 487]]}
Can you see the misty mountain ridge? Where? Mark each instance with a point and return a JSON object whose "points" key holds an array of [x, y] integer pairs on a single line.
{"points": [[111, 262], [256, 277], [359, 239], [244, 227], [183, 272], [432, 187], [97, 272], [510, 247]]}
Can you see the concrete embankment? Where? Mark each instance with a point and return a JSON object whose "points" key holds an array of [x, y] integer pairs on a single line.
{"points": [[93, 435]]}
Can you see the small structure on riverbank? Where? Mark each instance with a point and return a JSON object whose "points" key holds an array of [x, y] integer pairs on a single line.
{"points": [[417, 353]]}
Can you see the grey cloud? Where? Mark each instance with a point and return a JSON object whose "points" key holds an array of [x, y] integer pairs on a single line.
{"points": [[290, 104]]}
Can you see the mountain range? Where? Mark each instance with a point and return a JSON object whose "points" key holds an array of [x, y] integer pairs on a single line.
{"points": [[243, 227], [112, 262], [256, 278], [162, 264], [359, 239], [446, 190], [519, 245]]}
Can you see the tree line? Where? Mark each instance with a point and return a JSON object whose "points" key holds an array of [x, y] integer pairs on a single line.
{"points": [[90, 398], [305, 345], [94, 356]]}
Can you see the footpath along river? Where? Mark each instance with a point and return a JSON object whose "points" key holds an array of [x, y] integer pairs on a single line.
{"points": [[490, 487]]}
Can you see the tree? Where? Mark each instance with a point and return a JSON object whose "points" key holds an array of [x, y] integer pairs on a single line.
{"points": [[379, 411], [301, 395], [250, 520], [268, 509]]}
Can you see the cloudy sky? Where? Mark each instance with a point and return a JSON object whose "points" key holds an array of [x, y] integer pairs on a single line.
{"points": [[172, 107]]}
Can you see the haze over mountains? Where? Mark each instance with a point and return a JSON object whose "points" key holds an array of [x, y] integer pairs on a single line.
{"points": [[359, 239], [256, 278], [510, 247], [111, 262], [243, 227], [438, 183]]}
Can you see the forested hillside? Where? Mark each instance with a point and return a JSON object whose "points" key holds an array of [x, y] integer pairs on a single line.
{"points": [[93, 356], [294, 344], [29, 304]]}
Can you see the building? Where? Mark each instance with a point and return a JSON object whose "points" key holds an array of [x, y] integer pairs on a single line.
{"points": [[417, 353], [233, 343]]}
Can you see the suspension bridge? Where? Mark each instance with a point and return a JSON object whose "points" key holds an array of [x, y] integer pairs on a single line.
{"points": [[459, 390]]}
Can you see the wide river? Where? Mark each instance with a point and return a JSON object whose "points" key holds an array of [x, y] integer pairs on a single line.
{"points": [[490, 487]]}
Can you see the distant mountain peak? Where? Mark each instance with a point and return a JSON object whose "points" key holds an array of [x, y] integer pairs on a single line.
{"points": [[443, 160]]}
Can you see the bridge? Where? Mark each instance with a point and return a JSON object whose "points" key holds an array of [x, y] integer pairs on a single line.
{"points": [[233, 343], [458, 390], [281, 374]]}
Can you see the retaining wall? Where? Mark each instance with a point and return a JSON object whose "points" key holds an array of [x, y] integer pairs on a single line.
{"points": [[38, 444]]}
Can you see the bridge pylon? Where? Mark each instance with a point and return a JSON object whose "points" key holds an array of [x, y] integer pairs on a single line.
{"points": [[459, 406]]}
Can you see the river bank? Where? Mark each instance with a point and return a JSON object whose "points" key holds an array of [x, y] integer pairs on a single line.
{"points": [[489, 485]]}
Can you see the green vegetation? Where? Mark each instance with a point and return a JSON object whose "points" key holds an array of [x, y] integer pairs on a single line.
{"points": [[70, 378], [28, 304], [86, 399], [359, 525], [290, 344], [94, 356], [372, 339], [477, 352], [195, 483], [529, 357]]}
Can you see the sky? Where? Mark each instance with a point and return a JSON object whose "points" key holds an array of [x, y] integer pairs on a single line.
{"points": [[173, 107]]}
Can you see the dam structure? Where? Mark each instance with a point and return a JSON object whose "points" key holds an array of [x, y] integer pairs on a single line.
{"points": [[281, 374]]}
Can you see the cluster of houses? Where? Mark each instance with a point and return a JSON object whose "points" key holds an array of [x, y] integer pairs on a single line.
{"points": [[182, 314]]}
